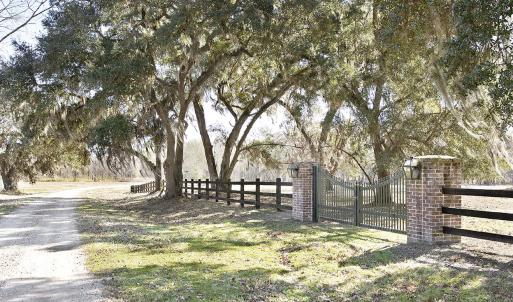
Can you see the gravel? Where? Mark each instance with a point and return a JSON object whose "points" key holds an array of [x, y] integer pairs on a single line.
{"points": [[40, 254]]}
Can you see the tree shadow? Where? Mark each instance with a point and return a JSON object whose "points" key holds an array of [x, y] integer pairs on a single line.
{"points": [[444, 255], [82, 288], [432, 283], [196, 281]]}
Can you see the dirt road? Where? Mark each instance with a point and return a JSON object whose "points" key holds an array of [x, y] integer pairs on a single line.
{"points": [[40, 254]]}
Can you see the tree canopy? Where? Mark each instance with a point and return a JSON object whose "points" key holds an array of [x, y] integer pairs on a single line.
{"points": [[358, 85]]}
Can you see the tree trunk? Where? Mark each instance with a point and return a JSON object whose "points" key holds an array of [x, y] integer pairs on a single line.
{"points": [[10, 180], [205, 139], [382, 196], [158, 165], [169, 162], [168, 166], [180, 142]]}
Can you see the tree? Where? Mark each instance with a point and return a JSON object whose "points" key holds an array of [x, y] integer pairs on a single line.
{"points": [[284, 52], [473, 71], [30, 140], [118, 139]]}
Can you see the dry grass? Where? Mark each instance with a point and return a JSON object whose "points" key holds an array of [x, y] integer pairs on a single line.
{"points": [[153, 250]]}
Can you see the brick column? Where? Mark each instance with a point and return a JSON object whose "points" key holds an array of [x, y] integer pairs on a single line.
{"points": [[302, 193], [424, 200]]}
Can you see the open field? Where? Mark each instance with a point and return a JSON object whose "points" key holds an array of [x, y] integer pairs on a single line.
{"points": [[151, 250]]}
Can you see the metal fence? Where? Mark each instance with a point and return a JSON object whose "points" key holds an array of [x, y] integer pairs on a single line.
{"points": [[380, 205]]}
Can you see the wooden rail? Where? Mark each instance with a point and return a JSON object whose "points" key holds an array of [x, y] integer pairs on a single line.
{"points": [[478, 214], [146, 187], [478, 192], [478, 234], [222, 190]]}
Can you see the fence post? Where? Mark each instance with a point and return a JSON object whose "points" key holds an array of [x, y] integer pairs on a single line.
{"points": [[242, 193], [192, 187], [359, 202], [217, 190], [228, 192], [278, 193], [207, 189], [424, 200], [257, 193], [315, 192], [185, 187], [199, 188], [356, 203]]}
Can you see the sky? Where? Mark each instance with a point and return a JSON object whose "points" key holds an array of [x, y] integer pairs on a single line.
{"points": [[27, 34]]}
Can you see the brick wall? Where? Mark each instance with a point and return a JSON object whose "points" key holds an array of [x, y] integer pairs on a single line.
{"points": [[424, 200], [302, 194]]}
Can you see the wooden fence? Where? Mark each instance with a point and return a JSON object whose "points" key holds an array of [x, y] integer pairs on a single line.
{"points": [[262, 193], [146, 188], [478, 214]]}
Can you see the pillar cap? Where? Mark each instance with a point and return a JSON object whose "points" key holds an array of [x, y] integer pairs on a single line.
{"points": [[436, 158]]}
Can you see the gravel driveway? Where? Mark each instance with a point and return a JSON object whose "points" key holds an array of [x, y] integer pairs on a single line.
{"points": [[40, 255]]}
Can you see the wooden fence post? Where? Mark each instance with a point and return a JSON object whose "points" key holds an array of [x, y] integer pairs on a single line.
{"points": [[229, 192], [217, 190], [185, 187], [278, 193], [257, 193], [207, 189], [199, 188], [192, 187], [242, 193]]}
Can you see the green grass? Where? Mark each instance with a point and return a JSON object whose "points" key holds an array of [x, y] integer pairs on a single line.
{"points": [[203, 251]]}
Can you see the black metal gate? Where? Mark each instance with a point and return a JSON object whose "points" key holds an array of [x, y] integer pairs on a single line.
{"points": [[380, 205]]}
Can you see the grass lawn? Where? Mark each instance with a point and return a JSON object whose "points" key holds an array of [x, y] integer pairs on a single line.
{"points": [[149, 250]]}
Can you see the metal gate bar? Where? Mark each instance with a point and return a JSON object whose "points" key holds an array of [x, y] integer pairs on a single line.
{"points": [[381, 205]]}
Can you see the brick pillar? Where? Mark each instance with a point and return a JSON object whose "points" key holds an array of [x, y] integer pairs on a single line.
{"points": [[302, 193], [424, 200]]}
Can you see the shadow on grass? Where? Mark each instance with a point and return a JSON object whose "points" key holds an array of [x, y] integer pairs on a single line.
{"points": [[435, 284], [196, 281], [441, 255], [396, 271]]}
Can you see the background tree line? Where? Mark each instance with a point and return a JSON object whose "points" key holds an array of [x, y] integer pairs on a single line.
{"points": [[355, 85]]}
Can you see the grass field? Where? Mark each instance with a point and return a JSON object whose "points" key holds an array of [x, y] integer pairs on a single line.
{"points": [[149, 250]]}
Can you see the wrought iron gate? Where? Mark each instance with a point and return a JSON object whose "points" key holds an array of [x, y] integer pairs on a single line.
{"points": [[380, 205]]}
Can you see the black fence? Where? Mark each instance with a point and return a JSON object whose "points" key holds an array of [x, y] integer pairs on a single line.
{"points": [[276, 194], [147, 187], [478, 214], [256, 193]]}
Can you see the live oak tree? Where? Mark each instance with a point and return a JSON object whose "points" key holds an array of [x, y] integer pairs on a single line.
{"points": [[283, 52], [118, 139], [474, 72], [31, 140], [155, 54]]}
